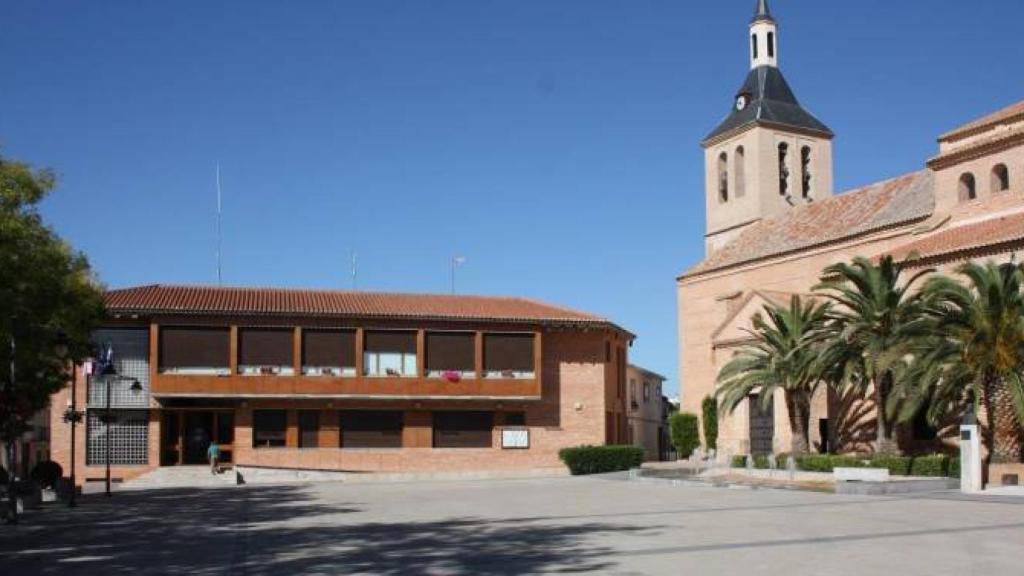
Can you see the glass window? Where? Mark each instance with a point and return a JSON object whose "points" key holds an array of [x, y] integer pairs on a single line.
{"points": [[463, 429], [269, 428], [390, 354], [371, 428], [266, 351], [329, 352], [194, 350], [451, 355], [508, 356], [309, 429]]}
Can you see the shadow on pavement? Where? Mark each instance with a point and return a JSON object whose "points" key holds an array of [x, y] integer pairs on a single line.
{"points": [[281, 530]]}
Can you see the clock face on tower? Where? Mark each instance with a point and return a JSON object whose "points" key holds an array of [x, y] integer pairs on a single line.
{"points": [[741, 102]]}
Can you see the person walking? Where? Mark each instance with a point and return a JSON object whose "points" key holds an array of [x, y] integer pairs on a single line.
{"points": [[213, 453]]}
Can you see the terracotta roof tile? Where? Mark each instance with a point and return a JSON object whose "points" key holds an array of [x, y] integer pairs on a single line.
{"points": [[171, 299], [971, 236], [1011, 111], [889, 203]]}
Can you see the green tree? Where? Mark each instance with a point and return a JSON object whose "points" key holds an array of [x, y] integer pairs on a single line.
{"points": [[47, 295], [876, 320], [709, 420], [977, 354], [685, 433], [783, 356]]}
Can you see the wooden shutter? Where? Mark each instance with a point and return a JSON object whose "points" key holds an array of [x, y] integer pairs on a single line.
{"points": [[371, 429], [194, 347], [309, 429], [265, 347], [508, 352], [451, 351], [391, 341], [463, 429], [329, 348]]}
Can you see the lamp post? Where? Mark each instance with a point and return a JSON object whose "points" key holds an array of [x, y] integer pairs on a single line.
{"points": [[457, 261], [109, 374]]}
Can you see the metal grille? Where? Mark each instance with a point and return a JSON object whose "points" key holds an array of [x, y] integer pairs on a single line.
{"points": [[131, 358], [129, 438]]}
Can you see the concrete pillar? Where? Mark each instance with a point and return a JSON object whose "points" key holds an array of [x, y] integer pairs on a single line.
{"points": [[970, 455]]}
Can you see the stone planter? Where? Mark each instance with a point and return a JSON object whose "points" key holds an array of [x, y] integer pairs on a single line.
{"points": [[1003, 474]]}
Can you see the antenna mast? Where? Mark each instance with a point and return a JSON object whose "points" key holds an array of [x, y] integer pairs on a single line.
{"points": [[219, 277]]}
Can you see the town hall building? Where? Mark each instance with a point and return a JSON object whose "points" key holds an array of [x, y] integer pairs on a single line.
{"points": [[774, 223]]}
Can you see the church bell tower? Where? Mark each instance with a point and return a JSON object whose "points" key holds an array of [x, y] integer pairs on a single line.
{"points": [[769, 155]]}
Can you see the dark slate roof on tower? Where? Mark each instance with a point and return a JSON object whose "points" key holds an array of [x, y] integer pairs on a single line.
{"points": [[771, 102], [762, 12]]}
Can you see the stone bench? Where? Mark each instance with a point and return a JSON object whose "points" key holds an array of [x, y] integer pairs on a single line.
{"points": [[861, 474]]}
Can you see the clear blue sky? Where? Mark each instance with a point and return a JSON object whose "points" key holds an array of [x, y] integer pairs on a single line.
{"points": [[552, 143]]}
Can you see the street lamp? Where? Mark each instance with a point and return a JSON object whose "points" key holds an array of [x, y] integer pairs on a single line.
{"points": [[109, 374]]}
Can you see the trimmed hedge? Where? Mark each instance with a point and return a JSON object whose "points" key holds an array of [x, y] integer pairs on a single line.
{"points": [[953, 469], [827, 462], [599, 459], [936, 465], [897, 465], [709, 420], [685, 433], [46, 474]]}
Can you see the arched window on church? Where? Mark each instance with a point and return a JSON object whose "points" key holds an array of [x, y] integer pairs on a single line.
{"points": [[967, 190], [783, 169], [805, 170], [771, 44], [723, 177], [740, 168], [1000, 178], [753, 44]]}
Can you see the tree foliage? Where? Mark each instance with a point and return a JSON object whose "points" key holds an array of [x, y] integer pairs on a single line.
{"points": [[47, 293], [709, 421], [784, 355], [976, 354], [877, 318], [684, 433]]}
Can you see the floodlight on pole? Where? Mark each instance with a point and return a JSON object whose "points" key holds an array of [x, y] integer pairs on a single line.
{"points": [[456, 262]]}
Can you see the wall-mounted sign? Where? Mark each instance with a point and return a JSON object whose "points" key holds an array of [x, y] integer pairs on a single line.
{"points": [[515, 438]]}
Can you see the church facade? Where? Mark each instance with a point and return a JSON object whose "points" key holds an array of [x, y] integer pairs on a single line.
{"points": [[774, 223]]}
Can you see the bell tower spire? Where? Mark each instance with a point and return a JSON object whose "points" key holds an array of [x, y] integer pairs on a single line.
{"points": [[764, 37]]}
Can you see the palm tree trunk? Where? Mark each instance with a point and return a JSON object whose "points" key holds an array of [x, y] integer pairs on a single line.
{"points": [[885, 443], [1004, 429], [799, 408]]}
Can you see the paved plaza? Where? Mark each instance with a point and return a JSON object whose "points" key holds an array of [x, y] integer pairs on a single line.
{"points": [[604, 525]]}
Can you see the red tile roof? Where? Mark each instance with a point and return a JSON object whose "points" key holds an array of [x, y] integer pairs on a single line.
{"points": [[202, 300], [997, 231], [875, 207], [1013, 111]]}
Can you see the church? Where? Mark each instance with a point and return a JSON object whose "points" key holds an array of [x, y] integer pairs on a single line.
{"points": [[774, 223]]}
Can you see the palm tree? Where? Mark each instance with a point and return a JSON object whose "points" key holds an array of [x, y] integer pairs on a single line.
{"points": [[875, 321], [782, 357], [977, 354]]}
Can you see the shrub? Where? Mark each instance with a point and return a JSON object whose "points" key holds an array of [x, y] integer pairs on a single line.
{"points": [[598, 459], [47, 473], [685, 434], [827, 462], [814, 463], [936, 465], [897, 465], [709, 420], [761, 462], [953, 467], [780, 461], [739, 461]]}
